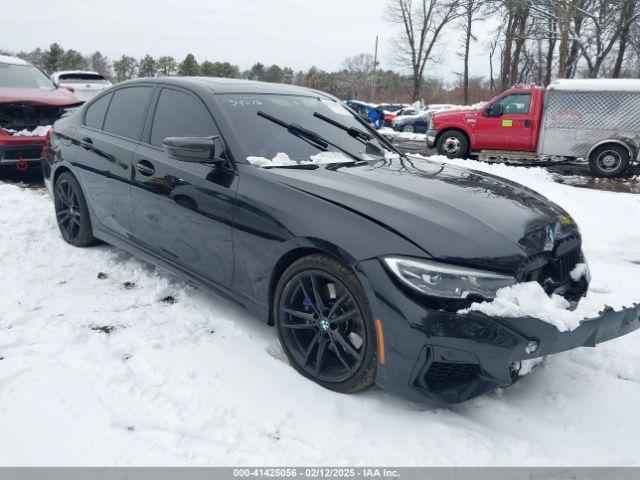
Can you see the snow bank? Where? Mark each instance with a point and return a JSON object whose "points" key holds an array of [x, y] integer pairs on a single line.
{"points": [[39, 131]]}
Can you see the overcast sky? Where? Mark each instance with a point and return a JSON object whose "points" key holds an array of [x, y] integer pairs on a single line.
{"points": [[295, 33]]}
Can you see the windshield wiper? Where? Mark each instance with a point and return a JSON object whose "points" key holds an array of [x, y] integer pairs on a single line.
{"points": [[354, 132], [309, 136]]}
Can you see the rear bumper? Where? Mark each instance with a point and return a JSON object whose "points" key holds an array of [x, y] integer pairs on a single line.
{"points": [[449, 358], [432, 135], [14, 149]]}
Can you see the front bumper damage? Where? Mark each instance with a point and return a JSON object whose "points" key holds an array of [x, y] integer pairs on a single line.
{"points": [[447, 358]]}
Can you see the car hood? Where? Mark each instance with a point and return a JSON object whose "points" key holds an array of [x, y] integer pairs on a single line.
{"points": [[453, 214], [35, 96]]}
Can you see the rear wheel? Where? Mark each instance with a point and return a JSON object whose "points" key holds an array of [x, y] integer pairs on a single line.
{"points": [[609, 160], [409, 129], [72, 213], [453, 144], [325, 324]]}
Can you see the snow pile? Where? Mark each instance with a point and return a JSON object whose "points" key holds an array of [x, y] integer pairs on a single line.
{"points": [[39, 131], [530, 300]]}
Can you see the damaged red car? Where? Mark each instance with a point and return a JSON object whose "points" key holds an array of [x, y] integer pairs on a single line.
{"points": [[29, 104]]}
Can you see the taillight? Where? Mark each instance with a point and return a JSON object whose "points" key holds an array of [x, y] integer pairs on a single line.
{"points": [[67, 87], [45, 147]]}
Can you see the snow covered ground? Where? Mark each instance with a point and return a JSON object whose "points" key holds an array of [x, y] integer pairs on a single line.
{"points": [[136, 367]]}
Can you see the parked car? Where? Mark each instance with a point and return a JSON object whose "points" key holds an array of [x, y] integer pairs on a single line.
{"points": [[392, 111], [593, 120], [84, 84], [419, 122], [29, 104], [370, 113], [265, 192]]}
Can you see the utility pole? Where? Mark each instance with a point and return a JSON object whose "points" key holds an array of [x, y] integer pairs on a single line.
{"points": [[375, 66]]}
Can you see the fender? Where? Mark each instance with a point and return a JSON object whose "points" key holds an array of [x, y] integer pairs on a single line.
{"points": [[628, 143]]}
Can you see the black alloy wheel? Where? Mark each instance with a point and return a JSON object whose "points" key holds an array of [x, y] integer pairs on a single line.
{"points": [[72, 214], [324, 324]]}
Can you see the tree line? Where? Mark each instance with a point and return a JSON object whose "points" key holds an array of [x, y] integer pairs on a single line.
{"points": [[527, 41], [533, 41]]}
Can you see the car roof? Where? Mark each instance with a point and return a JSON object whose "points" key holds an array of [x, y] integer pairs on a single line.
{"points": [[13, 60], [231, 85]]}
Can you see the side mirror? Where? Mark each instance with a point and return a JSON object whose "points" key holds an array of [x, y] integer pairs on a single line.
{"points": [[192, 149], [494, 110]]}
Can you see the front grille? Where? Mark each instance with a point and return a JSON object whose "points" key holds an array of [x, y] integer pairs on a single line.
{"points": [[566, 263], [553, 267]]}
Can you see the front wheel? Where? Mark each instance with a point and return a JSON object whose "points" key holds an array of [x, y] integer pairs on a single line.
{"points": [[325, 324], [609, 160], [409, 129], [453, 144]]}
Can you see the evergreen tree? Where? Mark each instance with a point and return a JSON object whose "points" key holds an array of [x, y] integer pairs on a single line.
{"points": [[274, 74], [148, 67], [256, 72], [100, 64], [72, 60], [189, 67], [167, 66], [125, 68], [52, 58]]}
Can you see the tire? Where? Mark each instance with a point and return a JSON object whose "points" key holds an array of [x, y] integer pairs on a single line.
{"points": [[72, 213], [610, 160], [345, 324], [409, 129], [453, 144]]}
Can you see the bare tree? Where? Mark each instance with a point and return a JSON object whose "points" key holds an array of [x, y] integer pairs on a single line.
{"points": [[421, 22], [517, 29], [470, 11]]}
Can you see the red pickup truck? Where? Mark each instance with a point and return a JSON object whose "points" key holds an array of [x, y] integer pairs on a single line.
{"points": [[29, 104], [594, 121]]}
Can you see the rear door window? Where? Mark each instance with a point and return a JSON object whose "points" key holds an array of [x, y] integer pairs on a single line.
{"points": [[180, 114], [94, 116], [127, 112]]}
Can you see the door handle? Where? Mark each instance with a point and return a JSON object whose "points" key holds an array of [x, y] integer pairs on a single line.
{"points": [[527, 123], [145, 168], [87, 143]]}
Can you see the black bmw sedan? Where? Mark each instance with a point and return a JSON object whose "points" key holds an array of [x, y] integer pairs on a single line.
{"points": [[283, 200]]}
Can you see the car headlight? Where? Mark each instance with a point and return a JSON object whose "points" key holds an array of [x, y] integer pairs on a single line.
{"points": [[447, 281]]}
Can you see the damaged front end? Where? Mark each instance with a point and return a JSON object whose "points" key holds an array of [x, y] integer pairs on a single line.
{"points": [[468, 355], [23, 127]]}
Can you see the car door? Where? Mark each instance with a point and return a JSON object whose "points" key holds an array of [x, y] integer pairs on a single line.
{"points": [[421, 123], [512, 129], [111, 131], [183, 211]]}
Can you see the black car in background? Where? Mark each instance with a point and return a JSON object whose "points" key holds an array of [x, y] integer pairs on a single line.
{"points": [[283, 200]]}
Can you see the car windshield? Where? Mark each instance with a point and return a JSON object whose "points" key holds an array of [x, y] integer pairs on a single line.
{"points": [[24, 76], [82, 78], [270, 143]]}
